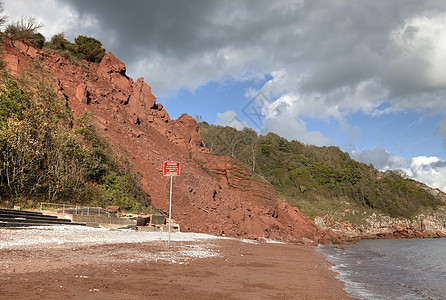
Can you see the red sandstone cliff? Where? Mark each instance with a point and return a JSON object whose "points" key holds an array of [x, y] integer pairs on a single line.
{"points": [[212, 194]]}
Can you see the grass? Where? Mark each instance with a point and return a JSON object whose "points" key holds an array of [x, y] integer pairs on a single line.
{"points": [[339, 209]]}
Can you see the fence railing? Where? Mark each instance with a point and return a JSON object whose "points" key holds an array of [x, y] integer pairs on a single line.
{"points": [[77, 210]]}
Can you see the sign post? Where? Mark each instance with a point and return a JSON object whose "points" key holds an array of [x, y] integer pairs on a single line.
{"points": [[171, 169]]}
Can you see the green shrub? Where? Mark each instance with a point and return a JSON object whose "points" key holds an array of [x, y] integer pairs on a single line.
{"points": [[62, 47], [43, 158], [89, 48], [59, 43], [84, 47]]}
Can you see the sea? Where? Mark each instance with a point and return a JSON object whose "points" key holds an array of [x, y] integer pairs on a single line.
{"points": [[391, 268]]}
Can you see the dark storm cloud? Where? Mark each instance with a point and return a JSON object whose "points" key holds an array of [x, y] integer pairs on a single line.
{"points": [[142, 26], [332, 43], [344, 56]]}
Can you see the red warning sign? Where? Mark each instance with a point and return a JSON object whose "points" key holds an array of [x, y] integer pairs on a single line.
{"points": [[171, 168]]}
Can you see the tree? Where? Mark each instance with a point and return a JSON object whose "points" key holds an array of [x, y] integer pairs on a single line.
{"points": [[318, 178], [232, 138], [3, 18], [251, 140], [43, 158]]}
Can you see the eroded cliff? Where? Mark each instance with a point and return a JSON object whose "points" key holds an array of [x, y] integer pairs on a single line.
{"points": [[213, 194]]}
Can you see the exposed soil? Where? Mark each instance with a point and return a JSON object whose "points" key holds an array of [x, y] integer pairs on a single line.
{"points": [[122, 271]]}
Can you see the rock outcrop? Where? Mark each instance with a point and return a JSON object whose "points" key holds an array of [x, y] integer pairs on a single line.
{"points": [[213, 194], [381, 226]]}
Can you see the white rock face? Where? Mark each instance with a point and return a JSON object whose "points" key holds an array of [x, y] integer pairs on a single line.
{"points": [[382, 224], [320, 223]]}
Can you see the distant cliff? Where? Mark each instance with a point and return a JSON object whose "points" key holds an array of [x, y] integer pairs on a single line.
{"points": [[428, 224], [336, 191]]}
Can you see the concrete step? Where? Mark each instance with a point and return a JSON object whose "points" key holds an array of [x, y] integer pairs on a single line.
{"points": [[26, 220], [19, 212], [19, 218], [27, 216], [25, 224]]}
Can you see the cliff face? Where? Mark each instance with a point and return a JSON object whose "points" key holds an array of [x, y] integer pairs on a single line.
{"points": [[382, 226], [212, 195], [430, 224]]}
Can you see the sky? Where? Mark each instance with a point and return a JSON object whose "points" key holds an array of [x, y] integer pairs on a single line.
{"points": [[366, 76]]}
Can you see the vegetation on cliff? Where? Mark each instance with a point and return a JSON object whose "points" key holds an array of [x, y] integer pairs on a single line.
{"points": [[26, 28], [48, 155], [320, 180], [45, 153], [84, 47]]}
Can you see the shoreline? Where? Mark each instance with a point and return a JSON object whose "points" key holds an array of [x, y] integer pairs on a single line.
{"points": [[194, 268], [390, 268]]}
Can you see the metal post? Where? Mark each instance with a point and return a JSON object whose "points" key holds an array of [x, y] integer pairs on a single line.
{"points": [[41, 205], [63, 208], [170, 210], [88, 211], [99, 213], [76, 210]]}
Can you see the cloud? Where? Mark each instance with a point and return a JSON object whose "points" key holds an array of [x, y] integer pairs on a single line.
{"points": [[441, 130], [177, 44], [417, 52], [293, 129], [229, 118], [326, 58], [56, 17], [429, 170], [380, 159]]}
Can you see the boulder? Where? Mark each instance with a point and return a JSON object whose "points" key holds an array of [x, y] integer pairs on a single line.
{"points": [[187, 128], [141, 96], [319, 221], [299, 223], [269, 221], [252, 228], [110, 64], [82, 94], [237, 215], [113, 70], [25, 48], [424, 234], [440, 234]]}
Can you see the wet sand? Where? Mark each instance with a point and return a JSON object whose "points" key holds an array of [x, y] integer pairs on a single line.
{"points": [[233, 270]]}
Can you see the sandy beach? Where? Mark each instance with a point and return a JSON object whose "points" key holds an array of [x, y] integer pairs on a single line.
{"points": [[85, 263]]}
